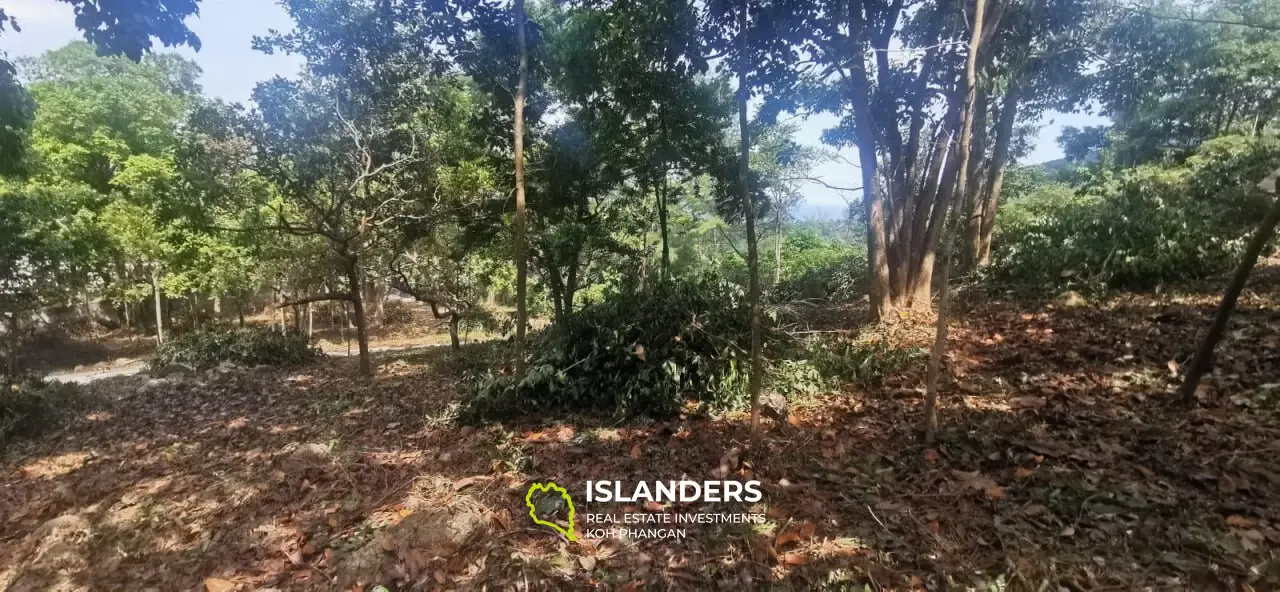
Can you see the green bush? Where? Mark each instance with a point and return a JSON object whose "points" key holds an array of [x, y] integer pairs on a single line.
{"points": [[633, 354], [864, 362], [1140, 227], [250, 346], [31, 405]]}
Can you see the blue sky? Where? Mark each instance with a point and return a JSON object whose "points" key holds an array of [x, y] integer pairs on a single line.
{"points": [[232, 68]]}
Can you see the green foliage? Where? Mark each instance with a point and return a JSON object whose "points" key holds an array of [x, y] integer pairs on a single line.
{"points": [[1140, 227], [251, 346], [864, 362], [28, 407], [635, 354], [814, 266]]}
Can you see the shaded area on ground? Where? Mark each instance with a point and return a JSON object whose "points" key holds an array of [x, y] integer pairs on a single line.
{"points": [[1062, 462]]}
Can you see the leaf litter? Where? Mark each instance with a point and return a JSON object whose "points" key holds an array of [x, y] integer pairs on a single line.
{"points": [[1063, 462]]}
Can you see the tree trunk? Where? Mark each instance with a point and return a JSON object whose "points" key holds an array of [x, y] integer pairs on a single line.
{"points": [[962, 178], [453, 330], [777, 247], [981, 243], [522, 270], [194, 301], [1261, 236], [155, 289], [240, 311], [872, 196], [973, 187], [748, 205], [357, 302], [311, 322], [662, 228]]}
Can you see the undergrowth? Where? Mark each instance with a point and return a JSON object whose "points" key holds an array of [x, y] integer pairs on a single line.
{"points": [[648, 354], [250, 346], [30, 406]]}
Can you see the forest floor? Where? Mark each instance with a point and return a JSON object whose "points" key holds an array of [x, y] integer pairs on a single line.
{"points": [[1063, 462]]}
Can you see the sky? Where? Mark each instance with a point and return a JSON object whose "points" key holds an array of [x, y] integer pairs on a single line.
{"points": [[232, 68]]}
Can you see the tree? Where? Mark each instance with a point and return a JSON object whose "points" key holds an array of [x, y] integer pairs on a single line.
{"points": [[962, 168], [522, 264], [1171, 80]]}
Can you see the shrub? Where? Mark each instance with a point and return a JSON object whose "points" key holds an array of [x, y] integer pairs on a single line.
{"points": [[250, 346], [31, 405], [634, 354], [865, 362], [1140, 227]]}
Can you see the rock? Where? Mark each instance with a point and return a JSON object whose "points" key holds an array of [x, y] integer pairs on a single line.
{"points": [[774, 406], [307, 456], [1072, 299], [173, 369]]}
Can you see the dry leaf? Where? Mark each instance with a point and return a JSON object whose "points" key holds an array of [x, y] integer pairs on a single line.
{"points": [[1173, 368], [653, 506], [931, 456], [460, 484], [639, 352], [218, 585], [1034, 509], [440, 577], [994, 492], [1023, 472], [786, 537], [795, 558], [588, 563], [636, 452], [1239, 521]]}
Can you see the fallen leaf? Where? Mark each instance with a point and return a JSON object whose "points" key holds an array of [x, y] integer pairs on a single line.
{"points": [[795, 558], [1173, 368], [638, 352], [636, 452], [931, 456], [994, 492], [588, 563], [1023, 472], [1034, 509], [218, 585], [1239, 521], [653, 506], [786, 537], [465, 482]]}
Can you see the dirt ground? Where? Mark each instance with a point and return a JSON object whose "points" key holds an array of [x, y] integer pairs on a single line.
{"points": [[1063, 463]]}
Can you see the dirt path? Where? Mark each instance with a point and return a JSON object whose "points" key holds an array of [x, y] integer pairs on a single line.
{"points": [[130, 367]]}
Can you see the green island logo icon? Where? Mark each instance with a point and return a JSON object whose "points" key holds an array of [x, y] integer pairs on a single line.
{"points": [[550, 487]]}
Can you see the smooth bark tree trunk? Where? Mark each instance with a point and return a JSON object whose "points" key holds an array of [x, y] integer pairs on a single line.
{"points": [[1203, 359], [872, 195], [522, 270], [662, 227], [155, 289], [194, 302], [453, 331], [748, 205], [311, 322], [973, 187], [357, 303], [777, 247], [966, 133], [981, 241]]}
